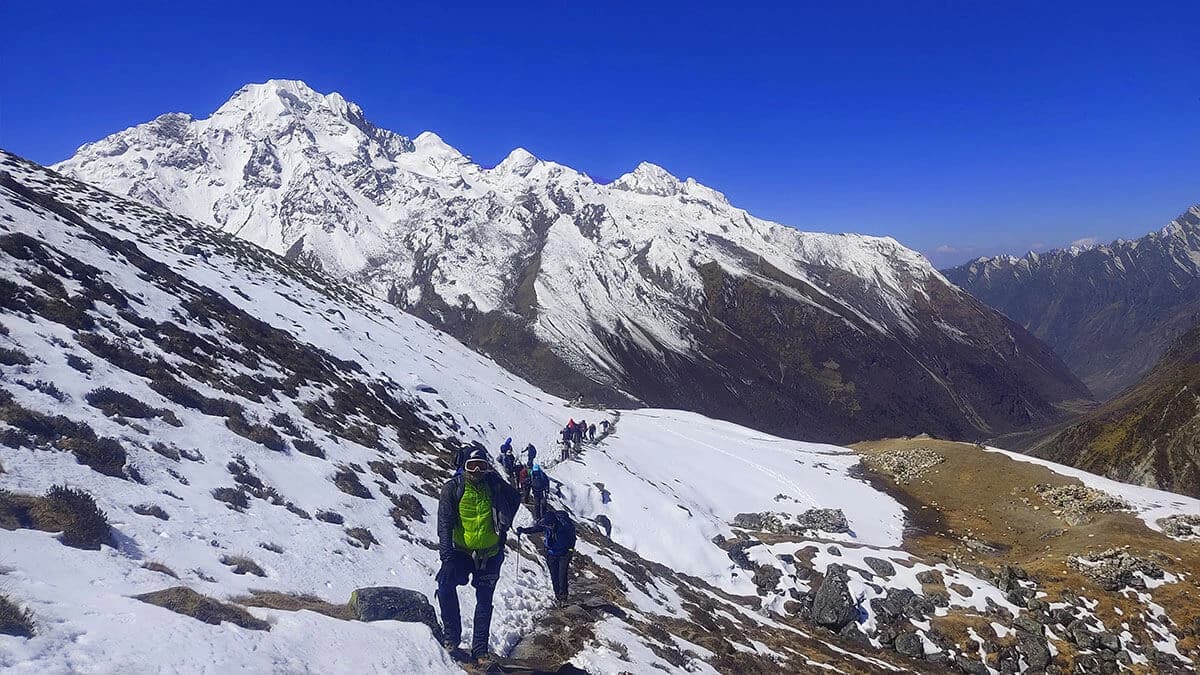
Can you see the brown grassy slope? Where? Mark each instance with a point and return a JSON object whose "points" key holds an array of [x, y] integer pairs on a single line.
{"points": [[978, 496], [1150, 434]]}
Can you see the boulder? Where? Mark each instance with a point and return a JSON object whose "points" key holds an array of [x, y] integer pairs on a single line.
{"points": [[1034, 648], [929, 577], [384, 603], [833, 606], [910, 644], [880, 566]]}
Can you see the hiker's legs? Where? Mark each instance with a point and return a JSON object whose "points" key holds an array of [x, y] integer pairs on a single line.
{"points": [[484, 582], [553, 564], [452, 574], [563, 572]]}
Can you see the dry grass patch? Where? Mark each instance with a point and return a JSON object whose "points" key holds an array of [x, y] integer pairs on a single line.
{"points": [[294, 602], [185, 601], [160, 568], [240, 564]]}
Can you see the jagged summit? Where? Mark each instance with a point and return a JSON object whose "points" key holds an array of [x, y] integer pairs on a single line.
{"points": [[649, 179], [628, 290]]}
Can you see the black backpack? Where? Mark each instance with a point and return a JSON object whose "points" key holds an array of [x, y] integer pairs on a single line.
{"points": [[562, 537]]}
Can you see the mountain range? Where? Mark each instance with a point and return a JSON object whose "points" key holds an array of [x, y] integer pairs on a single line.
{"points": [[1109, 311], [648, 289]]}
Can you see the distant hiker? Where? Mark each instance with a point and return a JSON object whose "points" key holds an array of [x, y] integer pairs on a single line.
{"points": [[509, 462], [532, 452], [475, 512], [539, 484], [507, 447], [560, 544], [567, 433], [603, 521], [566, 444], [604, 426], [523, 481], [592, 432]]}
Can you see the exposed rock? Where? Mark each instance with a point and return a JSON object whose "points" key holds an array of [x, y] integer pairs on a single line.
{"points": [[818, 520], [905, 465], [766, 578], [833, 606], [930, 577], [381, 603]]}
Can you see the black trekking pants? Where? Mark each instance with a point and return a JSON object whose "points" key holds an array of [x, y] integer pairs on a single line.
{"points": [[455, 572], [560, 568]]}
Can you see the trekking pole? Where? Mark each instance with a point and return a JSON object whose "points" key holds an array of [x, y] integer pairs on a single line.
{"points": [[518, 556]]}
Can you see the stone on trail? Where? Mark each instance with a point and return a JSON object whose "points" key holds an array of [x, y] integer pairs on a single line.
{"points": [[384, 603], [880, 566]]}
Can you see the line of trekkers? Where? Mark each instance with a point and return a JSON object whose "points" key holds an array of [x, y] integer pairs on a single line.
{"points": [[475, 513]]}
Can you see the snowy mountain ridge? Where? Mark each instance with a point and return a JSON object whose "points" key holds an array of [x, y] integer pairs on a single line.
{"points": [[586, 288]]}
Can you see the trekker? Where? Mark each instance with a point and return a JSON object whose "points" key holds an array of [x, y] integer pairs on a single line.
{"points": [[592, 432], [507, 447], [539, 483], [509, 462], [532, 452], [475, 512], [560, 545], [604, 426], [566, 445], [523, 481]]}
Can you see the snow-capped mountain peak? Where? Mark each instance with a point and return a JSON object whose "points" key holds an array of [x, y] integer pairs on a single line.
{"points": [[649, 179], [609, 278], [518, 162]]}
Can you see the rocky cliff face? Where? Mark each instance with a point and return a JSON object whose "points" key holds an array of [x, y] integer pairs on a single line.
{"points": [[649, 288], [1111, 311], [1150, 434]]}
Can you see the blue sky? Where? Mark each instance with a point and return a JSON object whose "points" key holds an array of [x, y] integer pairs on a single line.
{"points": [[960, 128]]}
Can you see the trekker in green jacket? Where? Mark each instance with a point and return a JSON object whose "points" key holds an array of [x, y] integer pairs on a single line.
{"points": [[475, 512]]}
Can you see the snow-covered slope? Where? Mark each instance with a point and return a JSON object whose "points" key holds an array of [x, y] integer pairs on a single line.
{"points": [[650, 285], [268, 402]]}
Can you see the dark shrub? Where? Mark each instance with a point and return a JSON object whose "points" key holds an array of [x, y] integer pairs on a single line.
{"points": [[384, 469], [361, 536], [242, 565], [119, 404], [259, 433], [14, 620], [347, 481], [308, 447], [160, 568], [330, 517], [233, 498], [13, 357], [74, 513], [151, 510], [78, 363]]}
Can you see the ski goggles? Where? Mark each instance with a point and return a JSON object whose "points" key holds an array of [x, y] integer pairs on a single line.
{"points": [[476, 465]]}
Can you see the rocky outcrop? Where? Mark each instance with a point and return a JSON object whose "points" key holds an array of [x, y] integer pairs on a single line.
{"points": [[832, 605]]}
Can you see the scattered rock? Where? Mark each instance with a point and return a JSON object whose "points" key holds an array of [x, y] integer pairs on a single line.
{"points": [[1034, 648], [1077, 502], [1115, 569], [766, 578], [905, 465], [383, 603], [1181, 525]]}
